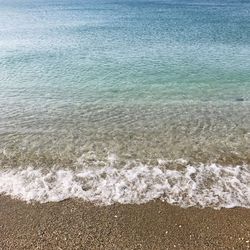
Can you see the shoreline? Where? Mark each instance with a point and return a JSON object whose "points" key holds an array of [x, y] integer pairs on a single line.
{"points": [[74, 224]]}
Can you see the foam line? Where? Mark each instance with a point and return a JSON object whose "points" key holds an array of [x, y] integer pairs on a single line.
{"points": [[203, 185]]}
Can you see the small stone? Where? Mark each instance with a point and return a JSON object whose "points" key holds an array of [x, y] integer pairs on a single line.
{"points": [[239, 99]]}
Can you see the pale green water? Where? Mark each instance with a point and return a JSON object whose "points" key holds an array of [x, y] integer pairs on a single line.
{"points": [[140, 79]]}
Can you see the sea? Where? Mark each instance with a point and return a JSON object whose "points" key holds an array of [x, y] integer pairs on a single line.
{"points": [[126, 101]]}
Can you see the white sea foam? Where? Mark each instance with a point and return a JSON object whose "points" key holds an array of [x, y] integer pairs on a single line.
{"points": [[201, 185]]}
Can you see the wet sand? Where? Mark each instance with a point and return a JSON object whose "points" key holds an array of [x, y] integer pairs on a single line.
{"points": [[74, 224]]}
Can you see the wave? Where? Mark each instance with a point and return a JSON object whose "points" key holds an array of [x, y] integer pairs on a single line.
{"points": [[201, 185]]}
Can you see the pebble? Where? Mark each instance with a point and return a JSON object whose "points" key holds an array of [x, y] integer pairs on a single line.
{"points": [[239, 99]]}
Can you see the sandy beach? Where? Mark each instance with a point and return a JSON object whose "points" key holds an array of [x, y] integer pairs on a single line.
{"points": [[74, 224]]}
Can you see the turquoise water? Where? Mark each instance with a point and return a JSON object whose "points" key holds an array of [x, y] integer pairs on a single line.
{"points": [[94, 83], [117, 71], [126, 51]]}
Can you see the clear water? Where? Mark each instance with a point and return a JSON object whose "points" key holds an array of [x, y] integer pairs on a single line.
{"points": [[83, 81]]}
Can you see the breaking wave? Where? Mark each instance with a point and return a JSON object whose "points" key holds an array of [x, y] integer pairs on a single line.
{"points": [[201, 185]]}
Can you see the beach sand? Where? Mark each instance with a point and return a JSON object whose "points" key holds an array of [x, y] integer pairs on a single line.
{"points": [[74, 224]]}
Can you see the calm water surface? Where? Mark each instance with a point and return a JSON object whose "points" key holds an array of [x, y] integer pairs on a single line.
{"points": [[83, 83]]}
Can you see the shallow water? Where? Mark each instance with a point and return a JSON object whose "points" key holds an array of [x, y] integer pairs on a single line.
{"points": [[83, 81]]}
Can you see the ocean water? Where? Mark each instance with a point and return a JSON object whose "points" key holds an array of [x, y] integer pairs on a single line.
{"points": [[126, 101]]}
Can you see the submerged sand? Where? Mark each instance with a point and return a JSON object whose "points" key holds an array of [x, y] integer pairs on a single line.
{"points": [[74, 224]]}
